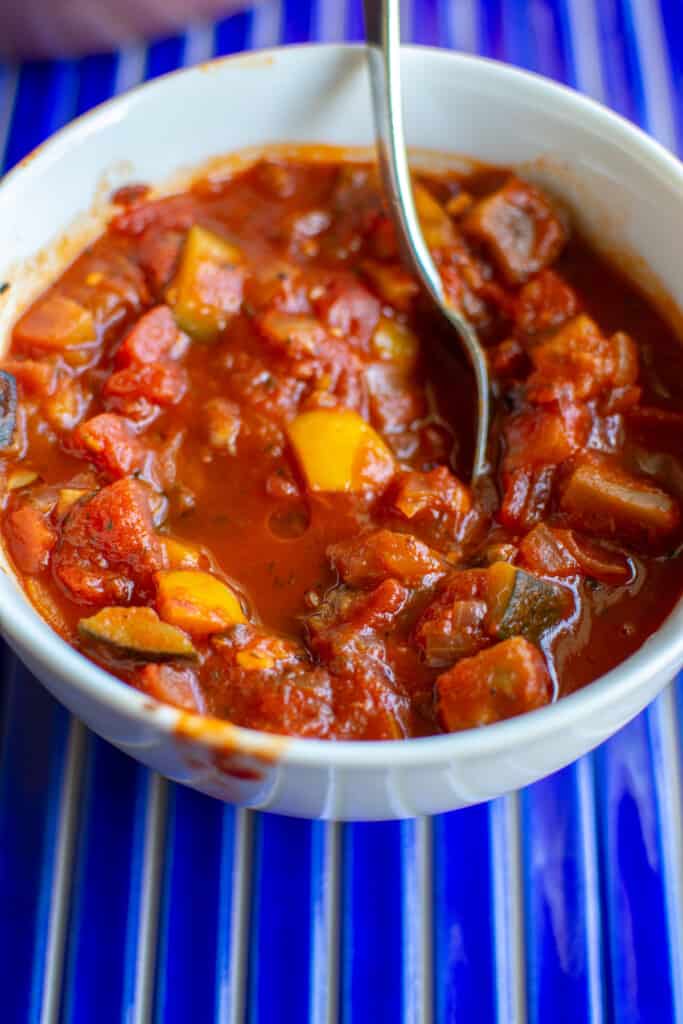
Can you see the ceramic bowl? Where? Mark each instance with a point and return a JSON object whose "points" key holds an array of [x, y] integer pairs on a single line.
{"points": [[626, 193]]}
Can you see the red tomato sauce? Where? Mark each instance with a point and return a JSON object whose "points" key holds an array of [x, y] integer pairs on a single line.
{"points": [[235, 447]]}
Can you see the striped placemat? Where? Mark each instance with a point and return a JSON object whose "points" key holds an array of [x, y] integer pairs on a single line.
{"points": [[127, 899]]}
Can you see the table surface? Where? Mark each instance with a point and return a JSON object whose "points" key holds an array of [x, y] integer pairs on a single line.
{"points": [[125, 898]]}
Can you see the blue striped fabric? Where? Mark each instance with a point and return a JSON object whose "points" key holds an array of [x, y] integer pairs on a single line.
{"points": [[127, 899]]}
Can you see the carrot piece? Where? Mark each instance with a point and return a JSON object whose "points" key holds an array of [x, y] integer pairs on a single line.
{"points": [[55, 322], [30, 538]]}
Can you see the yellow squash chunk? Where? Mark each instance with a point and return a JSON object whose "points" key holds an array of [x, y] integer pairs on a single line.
{"points": [[136, 633], [394, 342], [207, 289], [393, 284], [338, 451], [180, 555], [56, 322], [436, 225], [197, 601]]}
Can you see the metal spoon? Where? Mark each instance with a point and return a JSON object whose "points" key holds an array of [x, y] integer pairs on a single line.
{"points": [[383, 37]]}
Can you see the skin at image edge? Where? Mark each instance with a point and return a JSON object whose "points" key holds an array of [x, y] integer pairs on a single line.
{"points": [[68, 28]]}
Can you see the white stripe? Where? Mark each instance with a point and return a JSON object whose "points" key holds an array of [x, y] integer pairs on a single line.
{"points": [[663, 724], [417, 921], [148, 913], [656, 72], [324, 1007], [330, 25], [585, 46], [588, 838], [508, 910], [266, 25], [130, 69], [462, 25], [62, 877], [232, 995], [8, 91], [199, 45]]}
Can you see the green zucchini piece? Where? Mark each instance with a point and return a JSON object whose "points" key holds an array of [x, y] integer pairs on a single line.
{"points": [[136, 633], [521, 604]]}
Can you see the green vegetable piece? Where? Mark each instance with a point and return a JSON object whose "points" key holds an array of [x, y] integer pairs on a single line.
{"points": [[136, 633], [521, 604]]}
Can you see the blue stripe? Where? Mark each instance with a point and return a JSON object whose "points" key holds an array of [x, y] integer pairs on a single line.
{"points": [[371, 924], [355, 26], [558, 896], [164, 55], [190, 914], [517, 31], [464, 966], [281, 924], [297, 21], [492, 35], [96, 81], [232, 34]]}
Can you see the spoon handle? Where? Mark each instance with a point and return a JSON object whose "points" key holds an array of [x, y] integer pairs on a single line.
{"points": [[383, 37]]}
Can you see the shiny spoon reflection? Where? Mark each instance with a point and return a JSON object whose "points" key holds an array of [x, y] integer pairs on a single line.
{"points": [[383, 37]]}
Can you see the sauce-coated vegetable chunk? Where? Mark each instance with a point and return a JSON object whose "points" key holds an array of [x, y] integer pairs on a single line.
{"points": [[339, 451], [207, 289], [602, 498], [197, 601], [136, 633], [520, 227], [500, 682], [108, 547]]}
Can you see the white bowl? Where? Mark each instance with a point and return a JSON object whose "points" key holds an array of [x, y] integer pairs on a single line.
{"points": [[627, 192]]}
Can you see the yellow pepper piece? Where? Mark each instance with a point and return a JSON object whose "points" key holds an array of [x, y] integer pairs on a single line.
{"points": [[435, 223], [180, 555], [21, 478], [197, 602], [207, 288], [339, 451], [394, 342]]}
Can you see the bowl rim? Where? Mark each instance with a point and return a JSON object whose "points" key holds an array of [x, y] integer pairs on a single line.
{"points": [[24, 627]]}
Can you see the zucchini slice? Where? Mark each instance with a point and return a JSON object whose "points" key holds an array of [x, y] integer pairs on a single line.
{"points": [[521, 604], [136, 633]]}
